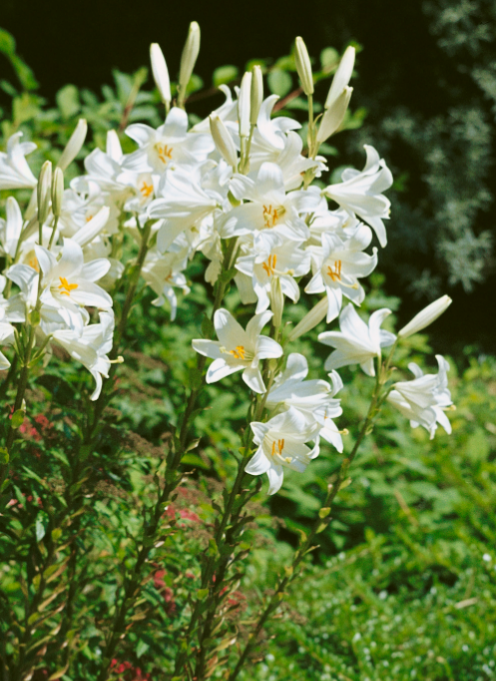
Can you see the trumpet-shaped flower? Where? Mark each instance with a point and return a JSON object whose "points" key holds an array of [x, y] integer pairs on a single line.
{"points": [[424, 399], [169, 145], [357, 342], [14, 170], [69, 283], [237, 349], [163, 273], [341, 264], [281, 444], [269, 206], [11, 228], [360, 192], [314, 399], [6, 338], [91, 347], [273, 257]]}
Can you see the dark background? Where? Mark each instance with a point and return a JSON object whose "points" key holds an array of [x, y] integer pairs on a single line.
{"points": [[400, 65]]}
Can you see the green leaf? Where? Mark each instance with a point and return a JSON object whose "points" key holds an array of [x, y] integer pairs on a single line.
{"points": [[141, 648], [7, 43], [194, 460], [68, 101], [224, 74], [4, 455], [201, 594], [18, 418], [40, 528], [280, 82]]}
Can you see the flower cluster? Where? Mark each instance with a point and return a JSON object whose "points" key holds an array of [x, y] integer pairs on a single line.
{"points": [[238, 188]]}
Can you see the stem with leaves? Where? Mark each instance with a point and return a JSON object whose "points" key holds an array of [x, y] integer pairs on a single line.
{"points": [[339, 481]]}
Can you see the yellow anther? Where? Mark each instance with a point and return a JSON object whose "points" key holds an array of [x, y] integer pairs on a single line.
{"points": [[271, 215], [239, 352], [146, 189], [164, 153], [66, 288], [270, 265], [335, 273], [277, 449], [34, 264]]}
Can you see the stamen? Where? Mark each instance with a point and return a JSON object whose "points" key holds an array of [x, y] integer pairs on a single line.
{"points": [[146, 189], [164, 152], [239, 352], [34, 264], [270, 265], [280, 447], [335, 273], [66, 288], [272, 215]]}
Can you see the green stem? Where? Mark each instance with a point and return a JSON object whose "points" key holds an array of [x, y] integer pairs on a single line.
{"points": [[332, 491]]}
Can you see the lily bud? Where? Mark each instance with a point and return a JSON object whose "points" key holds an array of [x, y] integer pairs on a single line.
{"points": [[244, 105], [257, 93], [425, 317], [223, 141], [303, 66], [74, 145], [44, 191], [57, 191], [277, 301], [342, 76], [188, 58], [160, 73], [333, 116], [310, 320]]}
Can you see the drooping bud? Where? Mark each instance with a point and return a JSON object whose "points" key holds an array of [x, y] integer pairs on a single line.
{"points": [[44, 191], [257, 93], [74, 145], [57, 191], [333, 117], [342, 76], [303, 66], [223, 141], [277, 301], [160, 73], [188, 59], [310, 320], [244, 105], [425, 317]]}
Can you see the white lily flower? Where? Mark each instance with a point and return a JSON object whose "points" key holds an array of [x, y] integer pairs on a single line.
{"points": [[164, 272], [357, 342], [74, 145], [91, 347], [14, 170], [272, 257], [361, 192], [169, 145], [11, 228], [160, 73], [69, 283], [281, 445], [237, 349], [6, 338], [12, 309], [314, 398], [269, 207], [425, 317], [341, 263], [424, 399], [341, 77]]}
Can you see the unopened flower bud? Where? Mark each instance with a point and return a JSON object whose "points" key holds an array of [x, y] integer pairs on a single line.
{"points": [[425, 317], [223, 140], [244, 105], [44, 191], [57, 191], [74, 145], [334, 115], [257, 93], [310, 320], [342, 76], [277, 301], [303, 66], [160, 73], [188, 58]]}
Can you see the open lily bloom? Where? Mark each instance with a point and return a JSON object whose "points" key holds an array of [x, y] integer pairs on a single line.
{"points": [[163, 273], [282, 445], [6, 338], [269, 206], [341, 263], [357, 342], [91, 347], [424, 399], [167, 146], [269, 257], [237, 349], [69, 283], [360, 192], [10, 228], [14, 170]]}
